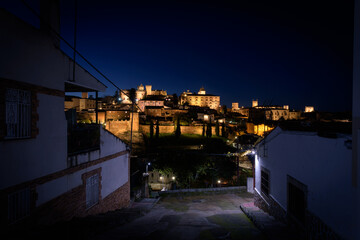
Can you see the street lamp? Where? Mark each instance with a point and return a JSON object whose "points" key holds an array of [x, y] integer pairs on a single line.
{"points": [[146, 175], [162, 181]]}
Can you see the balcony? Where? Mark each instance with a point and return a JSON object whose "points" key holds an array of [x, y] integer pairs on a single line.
{"points": [[83, 138]]}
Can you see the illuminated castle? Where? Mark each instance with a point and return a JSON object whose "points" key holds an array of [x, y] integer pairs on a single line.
{"points": [[141, 93]]}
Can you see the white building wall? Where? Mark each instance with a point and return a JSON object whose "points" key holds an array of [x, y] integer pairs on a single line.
{"points": [[30, 49], [114, 172], [26, 159], [323, 164]]}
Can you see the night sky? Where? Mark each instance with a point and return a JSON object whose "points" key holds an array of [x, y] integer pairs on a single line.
{"points": [[293, 53]]}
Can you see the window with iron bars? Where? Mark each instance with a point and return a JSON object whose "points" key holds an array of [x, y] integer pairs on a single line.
{"points": [[92, 190], [18, 113], [265, 182], [18, 205]]}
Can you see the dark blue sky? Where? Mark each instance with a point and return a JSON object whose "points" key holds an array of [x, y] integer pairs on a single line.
{"points": [[280, 52]]}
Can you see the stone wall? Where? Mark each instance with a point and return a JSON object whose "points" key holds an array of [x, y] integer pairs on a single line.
{"points": [[118, 127], [184, 129]]}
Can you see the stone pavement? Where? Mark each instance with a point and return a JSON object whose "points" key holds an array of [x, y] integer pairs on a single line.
{"points": [[191, 216], [176, 216], [272, 228], [87, 227]]}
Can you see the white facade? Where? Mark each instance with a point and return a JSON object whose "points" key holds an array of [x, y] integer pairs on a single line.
{"points": [[38, 164], [148, 102], [323, 165]]}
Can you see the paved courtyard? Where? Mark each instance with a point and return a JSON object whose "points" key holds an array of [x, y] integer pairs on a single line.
{"points": [[200, 216]]}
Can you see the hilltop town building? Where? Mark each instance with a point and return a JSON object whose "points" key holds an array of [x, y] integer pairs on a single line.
{"points": [[141, 93], [200, 99], [83, 103], [309, 109]]}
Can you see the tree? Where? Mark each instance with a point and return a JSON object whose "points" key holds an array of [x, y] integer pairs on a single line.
{"points": [[151, 129], [203, 130], [132, 95], [175, 100], [217, 128], [178, 130], [116, 94], [223, 109], [157, 129], [208, 130], [223, 130]]}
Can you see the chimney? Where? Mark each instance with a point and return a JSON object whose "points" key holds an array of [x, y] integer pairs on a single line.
{"points": [[84, 95], [50, 19]]}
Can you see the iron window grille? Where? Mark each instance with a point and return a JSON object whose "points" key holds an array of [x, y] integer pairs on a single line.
{"points": [[92, 190], [18, 113]]}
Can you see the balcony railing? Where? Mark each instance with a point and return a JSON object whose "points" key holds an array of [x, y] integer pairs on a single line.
{"points": [[83, 138]]}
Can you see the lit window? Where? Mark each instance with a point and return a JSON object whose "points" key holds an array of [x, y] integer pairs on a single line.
{"points": [[18, 113]]}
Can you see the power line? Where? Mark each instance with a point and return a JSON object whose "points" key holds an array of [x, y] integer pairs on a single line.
{"points": [[87, 61], [77, 52]]}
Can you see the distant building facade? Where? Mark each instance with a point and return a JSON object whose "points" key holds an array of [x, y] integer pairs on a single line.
{"points": [[150, 103], [309, 109], [141, 93], [200, 99], [83, 103]]}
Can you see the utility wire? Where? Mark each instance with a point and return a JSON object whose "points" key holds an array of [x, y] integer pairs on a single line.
{"points": [[77, 52], [87, 61]]}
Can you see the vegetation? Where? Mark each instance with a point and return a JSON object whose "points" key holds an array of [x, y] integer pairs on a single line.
{"points": [[203, 130], [157, 129], [193, 159], [208, 130], [223, 130], [151, 129], [217, 128], [178, 128]]}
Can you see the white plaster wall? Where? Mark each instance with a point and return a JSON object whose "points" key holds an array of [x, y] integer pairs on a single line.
{"points": [[51, 190], [29, 55], [109, 144], [114, 175], [114, 172], [323, 164], [31, 50], [27, 159]]}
